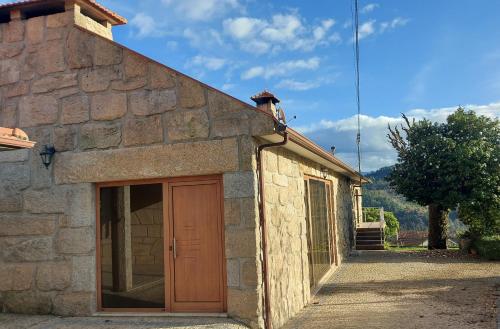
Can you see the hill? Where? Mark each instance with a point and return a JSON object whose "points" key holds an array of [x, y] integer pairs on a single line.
{"points": [[411, 216]]}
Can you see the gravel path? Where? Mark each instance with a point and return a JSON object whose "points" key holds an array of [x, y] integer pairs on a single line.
{"points": [[387, 290], [11, 321]]}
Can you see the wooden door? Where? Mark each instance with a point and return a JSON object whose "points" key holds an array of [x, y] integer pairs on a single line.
{"points": [[196, 255]]}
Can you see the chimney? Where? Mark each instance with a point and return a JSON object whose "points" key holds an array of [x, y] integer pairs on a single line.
{"points": [[87, 14], [266, 101]]}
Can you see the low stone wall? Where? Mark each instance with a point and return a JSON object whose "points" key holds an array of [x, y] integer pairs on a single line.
{"points": [[285, 212]]}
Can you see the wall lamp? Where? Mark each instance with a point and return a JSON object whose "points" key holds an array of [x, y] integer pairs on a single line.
{"points": [[324, 172], [47, 154]]}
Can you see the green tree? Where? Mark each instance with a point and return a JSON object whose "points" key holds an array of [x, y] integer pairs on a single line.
{"points": [[391, 222], [444, 165]]}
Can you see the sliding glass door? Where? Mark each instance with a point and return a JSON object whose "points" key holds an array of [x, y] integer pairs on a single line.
{"points": [[319, 228]]}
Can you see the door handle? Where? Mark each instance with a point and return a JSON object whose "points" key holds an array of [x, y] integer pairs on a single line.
{"points": [[175, 248]]}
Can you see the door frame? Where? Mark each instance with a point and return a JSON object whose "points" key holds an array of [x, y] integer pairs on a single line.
{"points": [[166, 240]]}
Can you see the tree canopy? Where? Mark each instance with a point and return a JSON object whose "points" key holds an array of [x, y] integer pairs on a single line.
{"points": [[448, 164]]}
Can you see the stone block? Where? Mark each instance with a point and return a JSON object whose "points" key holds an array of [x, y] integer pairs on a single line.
{"points": [[109, 106], [83, 274], [64, 138], [280, 180], [220, 105], [19, 89], [54, 82], [239, 184], [235, 126], [37, 110], [262, 124], [197, 158], [10, 71], [243, 304], [55, 276], [128, 85], [34, 29], [81, 205], [143, 131], [58, 20], [232, 211], [161, 77], [249, 212], [107, 53], [20, 249], [48, 201], [185, 125], [75, 240], [98, 79], [74, 304], [233, 272], [50, 57], [147, 102], [134, 65], [191, 93], [14, 156], [248, 153], [16, 277], [19, 225], [27, 302], [75, 109], [8, 115], [15, 176], [10, 201], [80, 48], [241, 243], [14, 31], [249, 273], [55, 34], [100, 135], [12, 50]]}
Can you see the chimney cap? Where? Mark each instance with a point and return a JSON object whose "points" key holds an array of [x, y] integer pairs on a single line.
{"points": [[109, 15], [264, 97]]}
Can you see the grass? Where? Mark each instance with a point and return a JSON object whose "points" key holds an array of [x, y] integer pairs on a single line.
{"points": [[411, 248]]}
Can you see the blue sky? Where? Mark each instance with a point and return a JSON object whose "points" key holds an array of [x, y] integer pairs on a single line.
{"points": [[421, 57]]}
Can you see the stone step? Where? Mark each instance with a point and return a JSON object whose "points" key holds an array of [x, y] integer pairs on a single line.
{"points": [[368, 237], [367, 242], [374, 247]]}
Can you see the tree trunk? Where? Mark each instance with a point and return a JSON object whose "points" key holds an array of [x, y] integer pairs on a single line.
{"points": [[438, 224]]}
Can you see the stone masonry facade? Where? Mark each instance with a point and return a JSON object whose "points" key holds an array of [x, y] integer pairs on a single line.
{"points": [[114, 115], [111, 114], [285, 210]]}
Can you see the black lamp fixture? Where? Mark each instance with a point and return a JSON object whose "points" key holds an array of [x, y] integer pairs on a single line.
{"points": [[324, 172], [46, 154]]}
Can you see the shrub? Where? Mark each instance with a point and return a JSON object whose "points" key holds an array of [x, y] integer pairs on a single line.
{"points": [[488, 247]]}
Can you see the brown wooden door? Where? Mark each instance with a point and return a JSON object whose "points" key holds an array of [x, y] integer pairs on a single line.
{"points": [[196, 255]]}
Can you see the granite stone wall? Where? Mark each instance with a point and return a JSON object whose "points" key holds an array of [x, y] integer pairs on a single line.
{"points": [[111, 114], [285, 213]]}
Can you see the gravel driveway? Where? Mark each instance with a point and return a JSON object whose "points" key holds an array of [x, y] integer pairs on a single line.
{"points": [[383, 289]]}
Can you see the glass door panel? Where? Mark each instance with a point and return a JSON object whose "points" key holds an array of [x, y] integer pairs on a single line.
{"points": [[131, 246]]}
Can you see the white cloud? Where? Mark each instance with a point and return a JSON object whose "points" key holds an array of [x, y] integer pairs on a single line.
{"points": [[292, 84], [281, 69], [390, 25], [369, 8], [366, 29], [203, 39], [145, 25], [376, 151], [210, 63], [253, 72], [282, 31], [228, 86], [201, 10]]}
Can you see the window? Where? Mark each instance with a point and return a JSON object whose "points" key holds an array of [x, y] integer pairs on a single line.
{"points": [[319, 228]]}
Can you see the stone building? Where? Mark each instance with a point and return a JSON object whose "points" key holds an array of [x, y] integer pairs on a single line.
{"points": [[164, 194]]}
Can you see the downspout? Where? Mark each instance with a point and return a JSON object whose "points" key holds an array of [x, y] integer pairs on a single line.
{"points": [[267, 301]]}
